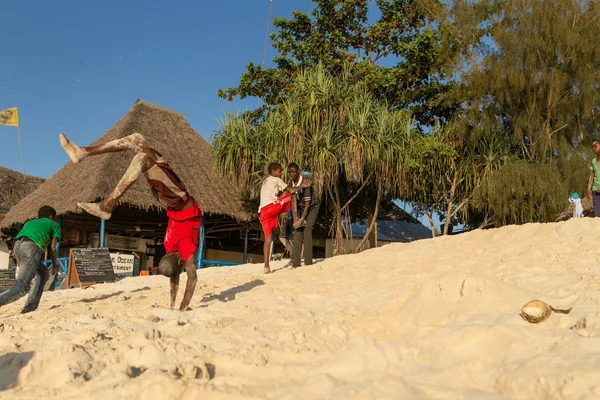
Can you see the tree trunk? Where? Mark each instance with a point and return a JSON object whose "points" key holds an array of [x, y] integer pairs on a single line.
{"points": [[372, 222], [449, 213], [338, 233], [370, 237], [547, 150], [430, 216], [375, 235]]}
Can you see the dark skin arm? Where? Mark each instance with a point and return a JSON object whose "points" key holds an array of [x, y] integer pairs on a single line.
{"points": [[175, 284], [55, 266], [307, 201], [293, 190], [298, 223], [190, 285]]}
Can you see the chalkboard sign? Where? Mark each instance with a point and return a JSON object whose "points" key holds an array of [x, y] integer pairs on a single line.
{"points": [[7, 279], [89, 266]]}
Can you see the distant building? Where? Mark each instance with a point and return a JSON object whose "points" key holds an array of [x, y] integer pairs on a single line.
{"points": [[14, 186], [394, 226]]}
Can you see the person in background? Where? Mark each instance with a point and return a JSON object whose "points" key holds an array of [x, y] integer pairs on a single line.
{"points": [[307, 210], [593, 189], [28, 251]]}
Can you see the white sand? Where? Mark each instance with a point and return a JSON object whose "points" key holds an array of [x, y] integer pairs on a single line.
{"points": [[432, 319]]}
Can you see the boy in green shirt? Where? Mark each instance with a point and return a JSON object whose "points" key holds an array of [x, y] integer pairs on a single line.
{"points": [[29, 250]]}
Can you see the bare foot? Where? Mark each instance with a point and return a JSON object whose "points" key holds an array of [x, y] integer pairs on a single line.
{"points": [[75, 152], [267, 270], [94, 209]]}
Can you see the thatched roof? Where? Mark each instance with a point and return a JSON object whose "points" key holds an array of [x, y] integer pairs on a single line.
{"points": [[14, 186], [94, 178], [586, 204]]}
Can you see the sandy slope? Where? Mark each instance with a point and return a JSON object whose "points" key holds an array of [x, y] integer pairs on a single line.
{"points": [[432, 319]]}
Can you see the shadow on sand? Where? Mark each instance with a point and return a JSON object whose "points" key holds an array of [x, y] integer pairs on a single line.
{"points": [[103, 297], [10, 366], [229, 294], [141, 289]]}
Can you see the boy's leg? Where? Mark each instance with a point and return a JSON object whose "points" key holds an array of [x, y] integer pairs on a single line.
{"points": [[596, 203], [192, 279], [311, 218], [269, 221], [183, 237], [140, 163], [294, 208], [175, 283], [297, 243], [29, 256], [174, 289], [135, 142], [267, 252], [35, 294]]}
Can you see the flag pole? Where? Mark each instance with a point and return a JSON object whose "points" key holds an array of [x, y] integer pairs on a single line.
{"points": [[21, 148]]}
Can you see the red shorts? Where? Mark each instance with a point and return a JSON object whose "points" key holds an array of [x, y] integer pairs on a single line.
{"points": [[182, 230], [269, 213]]}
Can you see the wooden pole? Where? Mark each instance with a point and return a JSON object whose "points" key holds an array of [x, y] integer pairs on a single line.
{"points": [[200, 255], [102, 231], [21, 149], [58, 244], [246, 246]]}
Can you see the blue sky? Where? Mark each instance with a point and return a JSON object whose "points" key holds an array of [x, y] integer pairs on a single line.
{"points": [[78, 66]]}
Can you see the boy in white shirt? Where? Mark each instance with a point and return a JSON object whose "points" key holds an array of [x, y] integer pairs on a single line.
{"points": [[271, 205]]}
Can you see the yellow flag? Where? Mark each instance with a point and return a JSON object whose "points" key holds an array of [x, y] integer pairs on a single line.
{"points": [[10, 117]]}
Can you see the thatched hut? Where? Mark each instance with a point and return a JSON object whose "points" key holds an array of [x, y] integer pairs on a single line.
{"points": [[14, 186], [138, 214]]}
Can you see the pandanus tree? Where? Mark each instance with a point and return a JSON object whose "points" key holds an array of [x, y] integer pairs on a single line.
{"points": [[332, 127]]}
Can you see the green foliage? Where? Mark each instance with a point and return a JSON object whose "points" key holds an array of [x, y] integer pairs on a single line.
{"points": [[332, 126], [472, 110], [398, 56], [533, 70], [523, 192], [529, 77]]}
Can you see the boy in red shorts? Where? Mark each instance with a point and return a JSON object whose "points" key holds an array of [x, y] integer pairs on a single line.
{"points": [[271, 205], [181, 237]]}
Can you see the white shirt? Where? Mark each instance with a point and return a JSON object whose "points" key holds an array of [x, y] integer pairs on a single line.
{"points": [[299, 182], [577, 207], [269, 191]]}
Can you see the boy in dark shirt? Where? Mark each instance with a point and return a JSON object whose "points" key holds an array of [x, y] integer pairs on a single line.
{"points": [[29, 249], [306, 215]]}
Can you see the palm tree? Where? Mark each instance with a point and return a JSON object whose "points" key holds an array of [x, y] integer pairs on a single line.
{"points": [[332, 127]]}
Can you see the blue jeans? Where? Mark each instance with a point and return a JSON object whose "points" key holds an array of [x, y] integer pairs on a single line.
{"points": [[31, 268]]}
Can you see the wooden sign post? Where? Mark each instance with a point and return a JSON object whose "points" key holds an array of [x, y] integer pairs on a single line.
{"points": [[7, 279], [89, 266]]}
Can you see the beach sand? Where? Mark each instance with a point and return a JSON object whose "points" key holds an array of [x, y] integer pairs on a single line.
{"points": [[433, 319]]}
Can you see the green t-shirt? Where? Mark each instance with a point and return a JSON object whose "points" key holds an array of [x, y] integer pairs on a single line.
{"points": [[595, 168], [40, 231]]}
